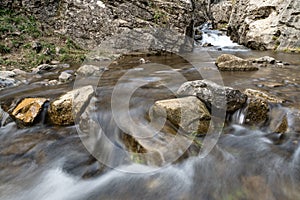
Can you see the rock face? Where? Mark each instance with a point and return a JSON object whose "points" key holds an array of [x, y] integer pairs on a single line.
{"points": [[89, 22], [28, 109], [65, 109], [228, 62], [211, 93], [221, 13], [262, 25], [188, 113]]}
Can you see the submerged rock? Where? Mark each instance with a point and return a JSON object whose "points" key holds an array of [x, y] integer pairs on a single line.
{"points": [[64, 77], [28, 109], [227, 62], [90, 70], [65, 109], [188, 113], [211, 93]]}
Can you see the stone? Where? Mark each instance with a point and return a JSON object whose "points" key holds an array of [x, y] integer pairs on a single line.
{"points": [[265, 59], [64, 77], [221, 12], [37, 46], [278, 121], [19, 72], [263, 95], [188, 113], [68, 107], [7, 82], [227, 62], [256, 111], [28, 109], [53, 82], [226, 57], [265, 25], [7, 74], [89, 70], [43, 68], [4, 117], [211, 93]]}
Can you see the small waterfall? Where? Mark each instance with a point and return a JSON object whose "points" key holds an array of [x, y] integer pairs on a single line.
{"points": [[205, 36]]}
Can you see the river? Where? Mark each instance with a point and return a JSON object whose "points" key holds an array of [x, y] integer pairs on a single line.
{"points": [[47, 162]]}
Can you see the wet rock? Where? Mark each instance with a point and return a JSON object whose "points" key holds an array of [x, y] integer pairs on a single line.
{"points": [[19, 72], [64, 77], [271, 84], [188, 113], [43, 68], [207, 45], [65, 109], [227, 62], [6, 79], [263, 95], [90, 70], [294, 123], [256, 111], [52, 82], [278, 121], [4, 117], [28, 109], [265, 59], [7, 74], [211, 93]]}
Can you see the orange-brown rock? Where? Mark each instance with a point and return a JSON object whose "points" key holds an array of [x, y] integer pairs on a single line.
{"points": [[28, 109]]}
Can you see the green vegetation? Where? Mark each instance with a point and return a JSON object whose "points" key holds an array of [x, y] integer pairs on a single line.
{"points": [[292, 50], [160, 17], [24, 45]]}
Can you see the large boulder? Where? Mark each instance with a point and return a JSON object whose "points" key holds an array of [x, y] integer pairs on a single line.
{"points": [[228, 62], [66, 109], [263, 25], [257, 109], [28, 109], [213, 94], [188, 113]]}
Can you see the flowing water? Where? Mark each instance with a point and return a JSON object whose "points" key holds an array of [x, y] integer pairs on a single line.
{"points": [[47, 162]]}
